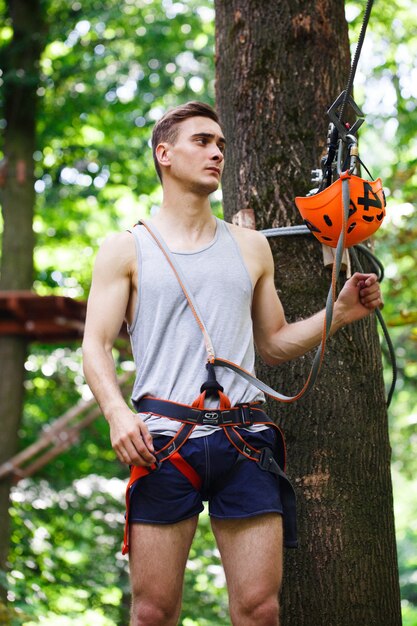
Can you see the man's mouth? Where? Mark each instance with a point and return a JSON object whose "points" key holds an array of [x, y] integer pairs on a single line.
{"points": [[214, 169]]}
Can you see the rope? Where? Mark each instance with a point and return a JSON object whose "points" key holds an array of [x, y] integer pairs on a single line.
{"points": [[152, 230], [358, 51], [333, 139], [286, 230], [377, 264]]}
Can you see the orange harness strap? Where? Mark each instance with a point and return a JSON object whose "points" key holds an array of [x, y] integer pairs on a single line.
{"points": [[176, 459], [138, 472]]}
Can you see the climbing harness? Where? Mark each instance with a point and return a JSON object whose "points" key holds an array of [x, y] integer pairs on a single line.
{"points": [[226, 416], [231, 419]]}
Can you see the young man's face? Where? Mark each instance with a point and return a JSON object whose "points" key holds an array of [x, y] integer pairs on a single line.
{"points": [[196, 159]]}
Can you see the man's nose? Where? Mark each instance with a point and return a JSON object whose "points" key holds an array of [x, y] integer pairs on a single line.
{"points": [[218, 155]]}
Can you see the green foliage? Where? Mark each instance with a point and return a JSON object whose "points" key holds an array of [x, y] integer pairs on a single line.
{"points": [[63, 562], [66, 563], [387, 89], [106, 78], [54, 383], [406, 516], [108, 71]]}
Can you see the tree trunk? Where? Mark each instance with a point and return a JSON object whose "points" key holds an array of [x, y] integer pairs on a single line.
{"points": [[280, 64], [20, 64]]}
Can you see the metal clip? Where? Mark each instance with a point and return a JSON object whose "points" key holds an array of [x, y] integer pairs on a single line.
{"points": [[334, 117], [316, 176], [268, 463], [352, 150]]}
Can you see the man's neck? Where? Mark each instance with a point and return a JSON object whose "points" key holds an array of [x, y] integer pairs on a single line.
{"points": [[186, 223]]}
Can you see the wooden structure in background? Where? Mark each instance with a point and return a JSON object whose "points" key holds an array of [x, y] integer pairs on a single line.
{"points": [[41, 318], [49, 319], [57, 436]]}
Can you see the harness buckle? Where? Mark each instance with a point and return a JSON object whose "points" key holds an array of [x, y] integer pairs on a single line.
{"points": [[227, 417], [156, 466], [171, 449], [267, 462], [248, 451], [245, 414]]}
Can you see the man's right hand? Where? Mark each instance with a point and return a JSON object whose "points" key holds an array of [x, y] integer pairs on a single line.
{"points": [[131, 439]]}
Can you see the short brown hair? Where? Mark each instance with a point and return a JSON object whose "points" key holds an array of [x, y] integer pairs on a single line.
{"points": [[166, 129]]}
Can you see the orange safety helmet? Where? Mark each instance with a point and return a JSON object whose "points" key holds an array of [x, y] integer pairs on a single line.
{"points": [[323, 212]]}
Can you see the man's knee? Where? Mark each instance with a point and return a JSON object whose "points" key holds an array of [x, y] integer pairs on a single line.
{"points": [[255, 609], [154, 612]]}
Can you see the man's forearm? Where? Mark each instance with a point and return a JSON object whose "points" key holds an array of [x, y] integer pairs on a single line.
{"points": [[298, 338], [359, 296], [100, 374]]}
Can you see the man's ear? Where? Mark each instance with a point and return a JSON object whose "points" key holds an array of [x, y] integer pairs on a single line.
{"points": [[162, 154]]}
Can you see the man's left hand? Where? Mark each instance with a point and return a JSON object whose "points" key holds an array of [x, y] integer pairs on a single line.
{"points": [[360, 296]]}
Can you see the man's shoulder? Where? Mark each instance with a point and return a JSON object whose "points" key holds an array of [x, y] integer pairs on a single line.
{"points": [[248, 236], [119, 249], [118, 242]]}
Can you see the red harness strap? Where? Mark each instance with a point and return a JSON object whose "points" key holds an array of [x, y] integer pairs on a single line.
{"points": [[138, 472]]}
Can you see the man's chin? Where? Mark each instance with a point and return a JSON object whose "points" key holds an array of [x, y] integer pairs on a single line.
{"points": [[206, 189]]}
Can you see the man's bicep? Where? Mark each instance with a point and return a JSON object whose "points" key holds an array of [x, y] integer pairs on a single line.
{"points": [[108, 299], [267, 310]]}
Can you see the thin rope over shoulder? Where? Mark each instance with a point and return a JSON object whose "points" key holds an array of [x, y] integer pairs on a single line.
{"points": [[182, 281]]}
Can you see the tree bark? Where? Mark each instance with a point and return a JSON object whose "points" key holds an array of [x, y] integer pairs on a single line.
{"points": [[21, 76], [280, 64]]}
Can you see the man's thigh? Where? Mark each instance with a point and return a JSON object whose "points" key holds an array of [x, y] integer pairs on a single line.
{"points": [[157, 557], [251, 551]]}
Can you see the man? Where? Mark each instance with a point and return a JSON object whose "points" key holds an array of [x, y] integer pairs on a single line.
{"points": [[231, 276]]}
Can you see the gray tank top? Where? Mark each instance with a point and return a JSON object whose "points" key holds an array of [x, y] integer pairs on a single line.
{"points": [[167, 344]]}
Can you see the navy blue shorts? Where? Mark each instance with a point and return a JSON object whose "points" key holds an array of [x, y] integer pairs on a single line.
{"points": [[234, 486]]}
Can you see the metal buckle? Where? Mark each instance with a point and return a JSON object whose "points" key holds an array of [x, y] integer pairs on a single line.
{"points": [[227, 417], [267, 461], [248, 451], [171, 449], [333, 115], [245, 414]]}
